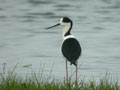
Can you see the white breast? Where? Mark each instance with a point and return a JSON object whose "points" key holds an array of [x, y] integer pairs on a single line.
{"points": [[66, 37]]}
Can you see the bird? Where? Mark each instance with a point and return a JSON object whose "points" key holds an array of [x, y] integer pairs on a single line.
{"points": [[70, 48]]}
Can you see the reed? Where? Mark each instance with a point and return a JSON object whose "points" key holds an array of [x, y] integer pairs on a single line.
{"points": [[11, 81]]}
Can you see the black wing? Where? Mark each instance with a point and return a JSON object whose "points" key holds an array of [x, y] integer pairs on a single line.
{"points": [[71, 49]]}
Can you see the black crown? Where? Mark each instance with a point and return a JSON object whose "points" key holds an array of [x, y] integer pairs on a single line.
{"points": [[66, 20]]}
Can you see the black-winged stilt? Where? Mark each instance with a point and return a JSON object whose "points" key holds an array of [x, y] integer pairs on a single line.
{"points": [[70, 48]]}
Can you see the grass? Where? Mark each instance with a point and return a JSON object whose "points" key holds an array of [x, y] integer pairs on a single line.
{"points": [[11, 81]]}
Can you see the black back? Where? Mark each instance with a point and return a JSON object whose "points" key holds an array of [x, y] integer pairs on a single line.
{"points": [[71, 50]]}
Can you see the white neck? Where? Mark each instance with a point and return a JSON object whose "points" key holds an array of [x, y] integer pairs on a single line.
{"points": [[65, 30]]}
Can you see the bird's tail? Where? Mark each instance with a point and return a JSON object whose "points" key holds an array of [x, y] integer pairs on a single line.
{"points": [[74, 63]]}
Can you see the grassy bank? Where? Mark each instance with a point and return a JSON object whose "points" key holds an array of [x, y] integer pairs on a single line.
{"points": [[11, 81]]}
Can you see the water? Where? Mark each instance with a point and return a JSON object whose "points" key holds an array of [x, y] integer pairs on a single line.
{"points": [[24, 40]]}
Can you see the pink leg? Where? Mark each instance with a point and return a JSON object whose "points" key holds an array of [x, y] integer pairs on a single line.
{"points": [[76, 73], [66, 72]]}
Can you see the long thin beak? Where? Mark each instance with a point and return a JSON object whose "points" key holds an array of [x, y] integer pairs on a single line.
{"points": [[53, 26]]}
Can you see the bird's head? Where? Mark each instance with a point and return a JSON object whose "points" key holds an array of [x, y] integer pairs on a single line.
{"points": [[65, 21]]}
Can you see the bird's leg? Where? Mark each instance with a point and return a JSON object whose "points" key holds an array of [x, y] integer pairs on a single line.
{"points": [[76, 73], [66, 72]]}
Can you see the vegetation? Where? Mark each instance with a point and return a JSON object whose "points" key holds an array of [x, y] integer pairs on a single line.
{"points": [[11, 81]]}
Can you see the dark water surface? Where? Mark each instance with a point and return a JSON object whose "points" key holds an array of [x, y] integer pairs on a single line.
{"points": [[24, 40]]}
